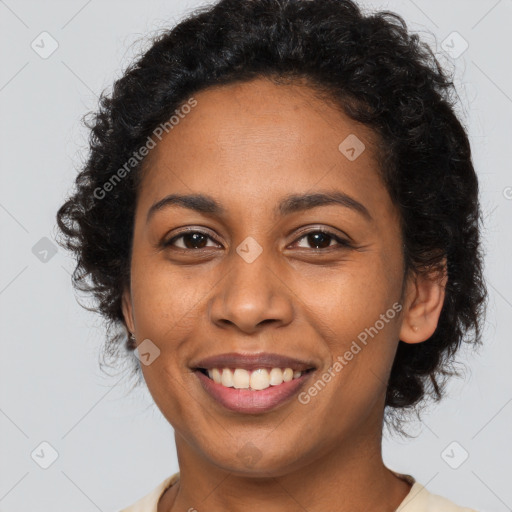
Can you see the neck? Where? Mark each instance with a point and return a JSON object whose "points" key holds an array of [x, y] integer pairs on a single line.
{"points": [[350, 478]]}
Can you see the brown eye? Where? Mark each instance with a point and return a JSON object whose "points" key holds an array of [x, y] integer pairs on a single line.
{"points": [[319, 240], [192, 240], [322, 240]]}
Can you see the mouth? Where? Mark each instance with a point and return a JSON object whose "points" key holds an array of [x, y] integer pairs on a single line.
{"points": [[252, 392], [257, 379], [252, 383]]}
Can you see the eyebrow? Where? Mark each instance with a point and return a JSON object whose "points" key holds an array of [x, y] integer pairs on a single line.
{"points": [[290, 204]]}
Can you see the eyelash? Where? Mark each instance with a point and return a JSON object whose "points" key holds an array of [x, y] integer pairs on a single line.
{"points": [[342, 244]]}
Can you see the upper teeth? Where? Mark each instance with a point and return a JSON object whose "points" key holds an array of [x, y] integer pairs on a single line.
{"points": [[261, 378]]}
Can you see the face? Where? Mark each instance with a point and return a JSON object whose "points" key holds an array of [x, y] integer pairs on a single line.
{"points": [[257, 267]]}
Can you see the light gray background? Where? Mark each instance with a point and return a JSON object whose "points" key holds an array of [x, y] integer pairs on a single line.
{"points": [[115, 446]]}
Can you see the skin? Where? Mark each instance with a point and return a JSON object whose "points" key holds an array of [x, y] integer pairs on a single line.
{"points": [[247, 146]]}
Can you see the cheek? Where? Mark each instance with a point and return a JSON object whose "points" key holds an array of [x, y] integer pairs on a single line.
{"points": [[164, 297], [355, 311], [350, 297], [166, 309]]}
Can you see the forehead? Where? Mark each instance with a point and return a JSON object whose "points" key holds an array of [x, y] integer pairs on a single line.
{"points": [[258, 140]]}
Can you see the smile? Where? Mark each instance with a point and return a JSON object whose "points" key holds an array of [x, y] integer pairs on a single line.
{"points": [[252, 392], [256, 380]]}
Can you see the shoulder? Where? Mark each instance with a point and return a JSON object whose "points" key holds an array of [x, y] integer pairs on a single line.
{"points": [[420, 499], [149, 502]]}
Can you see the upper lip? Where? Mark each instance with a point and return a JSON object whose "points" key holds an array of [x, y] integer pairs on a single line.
{"points": [[252, 362]]}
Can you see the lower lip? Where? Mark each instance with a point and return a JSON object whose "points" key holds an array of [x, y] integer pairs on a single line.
{"points": [[251, 402]]}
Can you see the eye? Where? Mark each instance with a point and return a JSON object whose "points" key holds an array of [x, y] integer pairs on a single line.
{"points": [[190, 240], [321, 239], [196, 240]]}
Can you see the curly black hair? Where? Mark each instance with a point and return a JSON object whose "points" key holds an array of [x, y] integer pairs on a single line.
{"points": [[370, 66]]}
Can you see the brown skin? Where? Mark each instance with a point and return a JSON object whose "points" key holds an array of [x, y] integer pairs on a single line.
{"points": [[248, 145]]}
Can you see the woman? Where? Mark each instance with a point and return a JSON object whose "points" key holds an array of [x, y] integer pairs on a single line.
{"points": [[279, 217]]}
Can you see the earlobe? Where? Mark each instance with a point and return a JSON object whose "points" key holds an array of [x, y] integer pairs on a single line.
{"points": [[425, 299], [126, 305]]}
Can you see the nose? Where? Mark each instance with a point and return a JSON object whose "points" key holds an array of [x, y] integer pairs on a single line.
{"points": [[251, 296]]}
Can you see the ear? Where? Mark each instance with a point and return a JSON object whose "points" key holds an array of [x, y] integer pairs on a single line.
{"points": [[127, 308], [423, 304]]}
